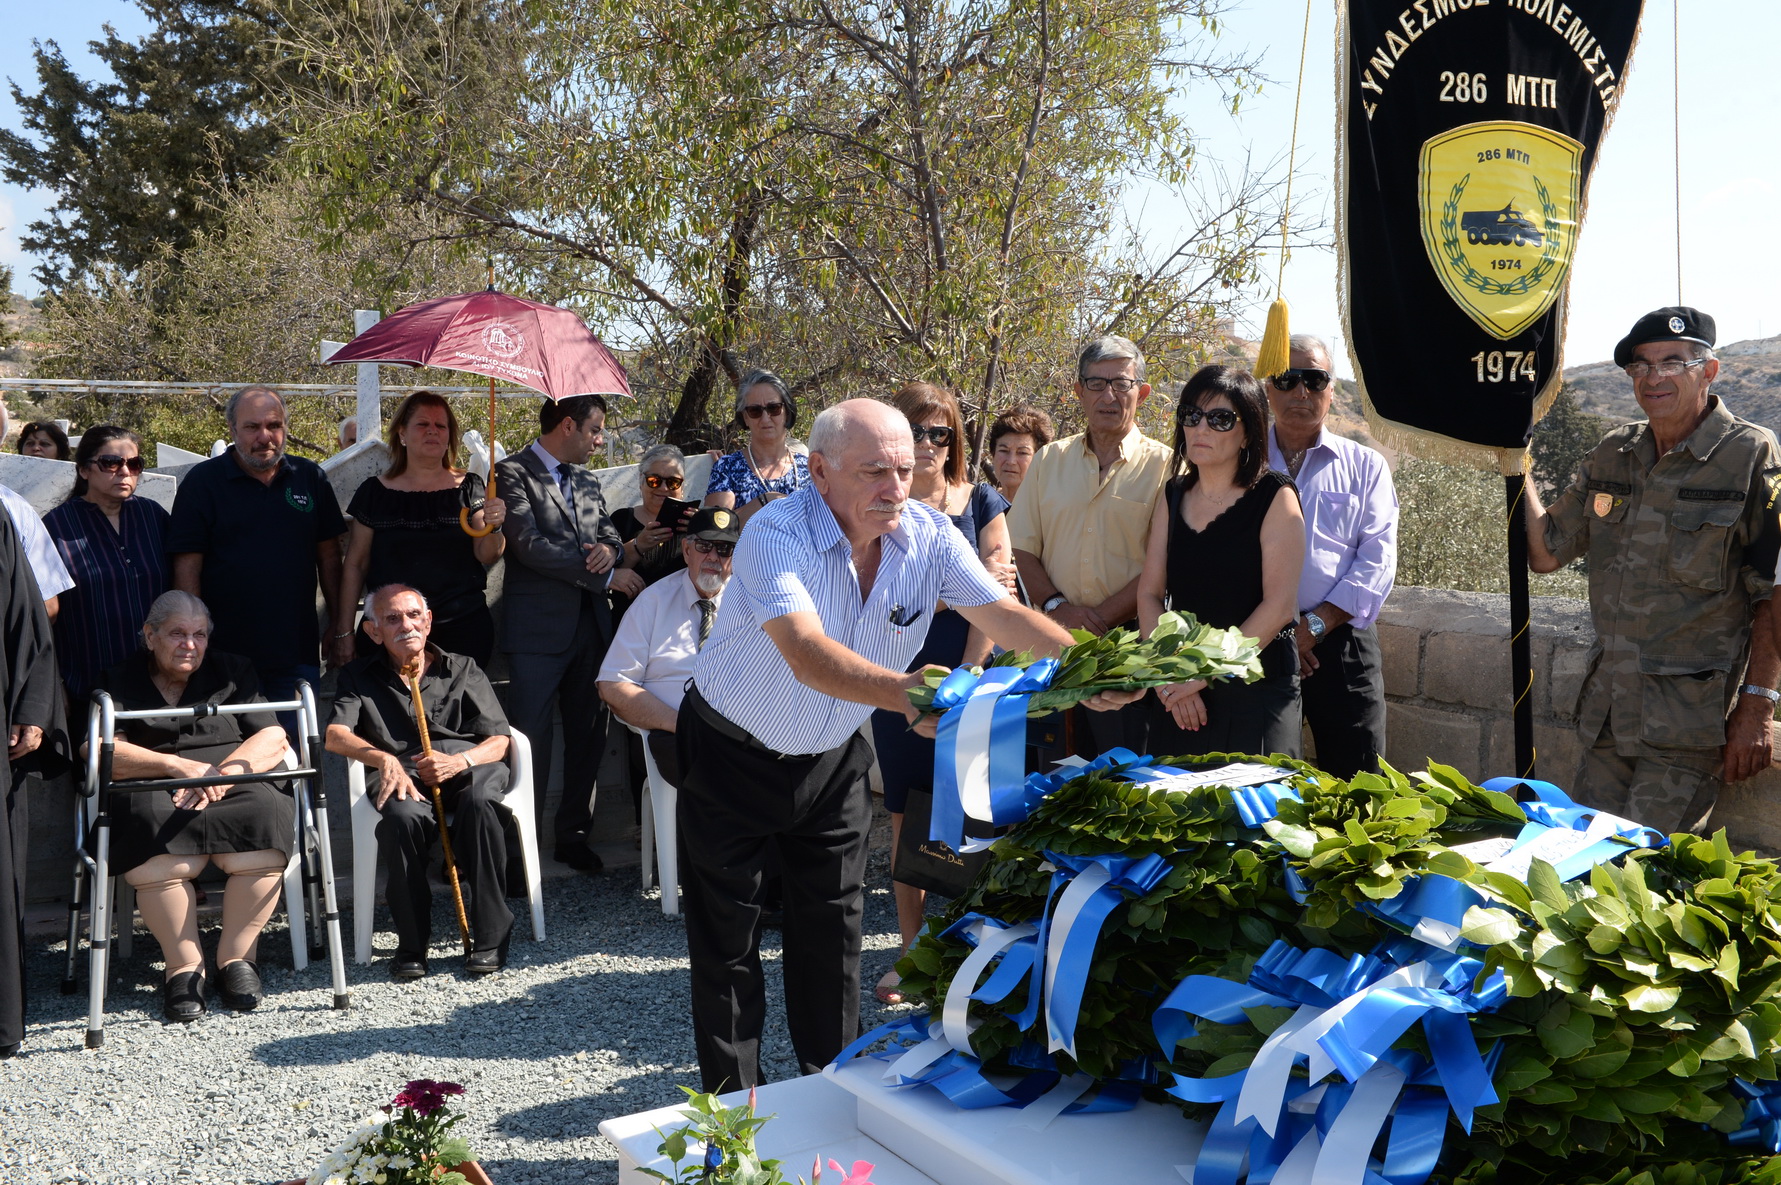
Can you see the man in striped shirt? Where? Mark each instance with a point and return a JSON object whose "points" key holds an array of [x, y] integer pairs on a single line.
{"points": [[832, 593]]}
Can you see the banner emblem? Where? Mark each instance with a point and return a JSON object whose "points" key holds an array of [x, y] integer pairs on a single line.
{"points": [[1499, 218]]}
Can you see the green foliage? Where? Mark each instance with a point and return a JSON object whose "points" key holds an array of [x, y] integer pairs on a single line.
{"points": [[1179, 650], [138, 161], [878, 193], [1451, 527], [728, 1136]]}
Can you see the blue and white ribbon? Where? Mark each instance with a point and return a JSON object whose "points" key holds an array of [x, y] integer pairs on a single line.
{"points": [[1091, 887], [1348, 1012], [980, 748]]}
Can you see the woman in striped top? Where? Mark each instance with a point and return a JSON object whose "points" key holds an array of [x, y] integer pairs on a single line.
{"points": [[114, 545]]}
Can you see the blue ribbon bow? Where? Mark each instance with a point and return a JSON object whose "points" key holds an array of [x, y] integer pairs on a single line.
{"points": [[980, 747]]}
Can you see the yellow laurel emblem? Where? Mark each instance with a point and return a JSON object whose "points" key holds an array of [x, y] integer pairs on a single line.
{"points": [[1499, 218]]}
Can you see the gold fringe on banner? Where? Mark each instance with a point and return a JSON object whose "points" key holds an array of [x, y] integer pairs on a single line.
{"points": [[1405, 438]]}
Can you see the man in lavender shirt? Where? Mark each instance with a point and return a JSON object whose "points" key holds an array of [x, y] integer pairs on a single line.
{"points": [[1351, 557]]}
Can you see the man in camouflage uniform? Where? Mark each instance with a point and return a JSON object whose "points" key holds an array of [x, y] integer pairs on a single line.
{"points": [[1678, 517]]}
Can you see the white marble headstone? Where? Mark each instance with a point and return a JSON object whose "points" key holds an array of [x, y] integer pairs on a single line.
{"points": [[46, 483], [348, 468]]}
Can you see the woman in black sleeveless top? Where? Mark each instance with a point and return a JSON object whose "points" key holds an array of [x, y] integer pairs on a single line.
{"points": [[1226, 544]]}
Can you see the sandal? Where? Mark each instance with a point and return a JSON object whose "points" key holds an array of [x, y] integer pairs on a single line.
{"points": [[888, 990]]}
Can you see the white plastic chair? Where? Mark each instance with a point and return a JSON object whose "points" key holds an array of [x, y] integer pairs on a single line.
{"points": [[517, 801], [660, 836]]}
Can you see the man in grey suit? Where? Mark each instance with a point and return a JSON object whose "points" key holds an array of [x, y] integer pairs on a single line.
{"points": [[563, 554]]}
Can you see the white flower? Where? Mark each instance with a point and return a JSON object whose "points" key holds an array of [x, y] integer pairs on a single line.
{"points": [[380, 1179], [401, 1162]]}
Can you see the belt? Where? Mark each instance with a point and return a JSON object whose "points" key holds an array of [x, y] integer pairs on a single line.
{"points": [[725, 727]]}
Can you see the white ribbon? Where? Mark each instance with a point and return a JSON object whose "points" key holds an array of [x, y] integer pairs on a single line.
{"points": [[1349, 1145], [1069, 907], [1264, 1087], [1051, 1104], [970, 756], [955, 1014]]}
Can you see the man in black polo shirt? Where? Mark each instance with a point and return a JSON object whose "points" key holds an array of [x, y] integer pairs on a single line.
{"points": [[252, 530], [373, 721]]}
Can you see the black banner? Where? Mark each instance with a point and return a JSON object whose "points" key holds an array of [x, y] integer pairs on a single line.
{"points": [[1470, 131]]}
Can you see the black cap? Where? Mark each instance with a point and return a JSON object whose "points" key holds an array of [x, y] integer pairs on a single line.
{"points": [[715, 524], [1678, 323]]}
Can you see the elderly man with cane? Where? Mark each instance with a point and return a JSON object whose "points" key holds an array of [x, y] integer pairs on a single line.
{"points": [[458, 746], [832, 593]]}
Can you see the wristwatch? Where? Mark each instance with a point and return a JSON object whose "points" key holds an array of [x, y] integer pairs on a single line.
{"points": [[1316, 625], [1768, 693], [1054, 601]]}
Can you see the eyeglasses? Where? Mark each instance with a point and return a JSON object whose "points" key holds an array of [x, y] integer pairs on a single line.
{"points": [[1120, 386], [656, 481], [1222, 419], [111, 463], [755, 411], [1669, 368], [706, 547], [940, 434], [1314, 380]]}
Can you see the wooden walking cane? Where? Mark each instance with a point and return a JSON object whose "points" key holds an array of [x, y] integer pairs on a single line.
{"points": [[412, 675]]}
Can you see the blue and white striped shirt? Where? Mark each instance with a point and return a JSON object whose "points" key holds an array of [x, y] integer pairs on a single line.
{"points": [[794, 558]]}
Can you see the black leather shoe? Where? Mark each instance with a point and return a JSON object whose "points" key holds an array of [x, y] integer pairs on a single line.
{"points": [[582, 859], [238, 986], [485, 962], [405, 966], [182, 997], [7, 1051]]}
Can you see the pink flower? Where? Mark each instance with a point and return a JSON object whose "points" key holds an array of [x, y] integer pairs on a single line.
{"points": [[859, 1174], [425, 1096]]}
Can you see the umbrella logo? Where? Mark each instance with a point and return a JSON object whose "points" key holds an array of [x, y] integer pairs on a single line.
{"points": [[503, 340]]}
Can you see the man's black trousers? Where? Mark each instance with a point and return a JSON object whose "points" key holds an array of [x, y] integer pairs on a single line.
{"points": [[741, 804]]}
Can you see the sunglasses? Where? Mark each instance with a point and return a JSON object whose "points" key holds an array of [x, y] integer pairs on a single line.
{"points": [[706, 547], [1222, 419], [1314, 380], [657, 482], [755, 411], [111, 463], [941, 436]]}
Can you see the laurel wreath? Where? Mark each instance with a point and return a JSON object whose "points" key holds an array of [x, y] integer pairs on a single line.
{"points": [[1521, 285]]}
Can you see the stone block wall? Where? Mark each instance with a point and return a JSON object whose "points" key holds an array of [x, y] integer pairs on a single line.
{"points": [[1446, 657]]}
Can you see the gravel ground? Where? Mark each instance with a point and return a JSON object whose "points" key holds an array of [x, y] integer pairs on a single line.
{"points": [[590, 1024]]}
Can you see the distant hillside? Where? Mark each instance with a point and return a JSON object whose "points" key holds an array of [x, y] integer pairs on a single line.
{"points": [[26, 324], [1749, 382]]}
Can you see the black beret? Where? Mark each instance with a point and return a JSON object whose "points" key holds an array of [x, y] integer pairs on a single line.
{"points": [[716, 524], [1678, 323]]}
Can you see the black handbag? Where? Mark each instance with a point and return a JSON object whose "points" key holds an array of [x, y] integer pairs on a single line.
{"points": [[929, 864]]}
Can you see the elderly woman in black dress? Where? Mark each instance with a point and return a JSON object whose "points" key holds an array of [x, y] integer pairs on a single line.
{"points": [[161, 840], [1226, 544]]}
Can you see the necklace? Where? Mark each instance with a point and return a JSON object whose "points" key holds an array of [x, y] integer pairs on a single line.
{"points": [[788, 458]]}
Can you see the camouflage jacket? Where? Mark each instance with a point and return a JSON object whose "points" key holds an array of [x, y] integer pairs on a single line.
{"points": [[1680, 549]]}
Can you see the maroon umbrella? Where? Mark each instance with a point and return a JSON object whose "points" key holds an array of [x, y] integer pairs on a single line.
{"points": [[540, 346]]}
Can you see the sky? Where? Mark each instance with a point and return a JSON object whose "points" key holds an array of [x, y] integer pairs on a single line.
{"points": [[1625, 263]]}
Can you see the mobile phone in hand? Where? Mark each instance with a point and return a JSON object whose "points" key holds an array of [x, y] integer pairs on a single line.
{"points": [[673, 513]]}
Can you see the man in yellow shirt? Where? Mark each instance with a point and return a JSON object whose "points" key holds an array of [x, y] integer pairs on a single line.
{"points": [[1082, 519]]}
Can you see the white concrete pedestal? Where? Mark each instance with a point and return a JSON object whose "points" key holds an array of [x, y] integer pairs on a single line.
{"points": [[917, 1137]]}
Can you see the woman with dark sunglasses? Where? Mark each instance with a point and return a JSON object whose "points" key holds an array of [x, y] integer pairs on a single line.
{"points": [[651, 545], [769, 464], [114, 545], [1226, 544]]}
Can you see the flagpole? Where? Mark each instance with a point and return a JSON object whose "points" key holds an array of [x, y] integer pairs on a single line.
{"points": [[1521, 657]]}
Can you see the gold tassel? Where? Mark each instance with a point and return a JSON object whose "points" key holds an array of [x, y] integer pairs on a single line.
{"points": [[1275, 354]]}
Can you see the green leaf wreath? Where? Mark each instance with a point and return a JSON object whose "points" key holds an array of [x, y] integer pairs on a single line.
{"points": [[1638, 993]]}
